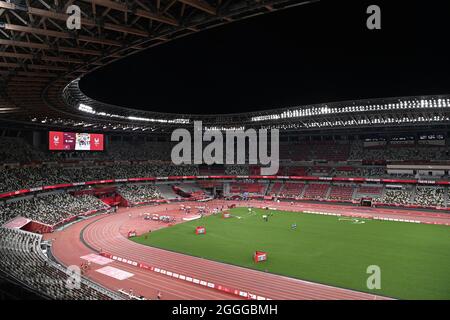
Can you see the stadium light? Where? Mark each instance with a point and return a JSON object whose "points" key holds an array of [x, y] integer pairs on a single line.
{"points": [[306, 111], [85, 108]]}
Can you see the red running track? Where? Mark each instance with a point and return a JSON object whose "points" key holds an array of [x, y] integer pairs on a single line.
{"points": [[67, 247], [108, 233]]}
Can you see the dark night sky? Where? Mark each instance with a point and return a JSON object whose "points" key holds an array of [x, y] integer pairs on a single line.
{"points": [[316, 53]]}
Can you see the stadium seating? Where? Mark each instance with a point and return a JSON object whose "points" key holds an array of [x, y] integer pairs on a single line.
{"points": [[316, 150], [23, 167], [321, 171], [23, 260], [316, 191], [208, 184], [275, 188], [193, 189], [211, 171], [296, 152], [393, 152], [135, 194], [30, 177], [292, 189], [237, 170], [346, 171], [396, 196], [297, 171], [365, 191], [373, 172], [167, 191], [251, 188], [17, 150], [341, 192], [331, 151], [430, 196], [50, 209]]}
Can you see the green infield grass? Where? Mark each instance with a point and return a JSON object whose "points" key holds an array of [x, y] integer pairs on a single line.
{"points": [[414, 259]]}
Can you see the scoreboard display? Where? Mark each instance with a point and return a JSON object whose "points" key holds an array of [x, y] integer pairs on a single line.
{"points": [[72, 141]]}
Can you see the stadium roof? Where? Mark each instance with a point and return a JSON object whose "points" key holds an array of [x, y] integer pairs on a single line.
{"points": [[382, 112], [42, 62], [40, 56]]}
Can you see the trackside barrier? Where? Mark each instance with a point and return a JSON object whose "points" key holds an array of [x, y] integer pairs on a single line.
{"points": [[398, 220], [411, 221], [375, 218], [193, 280], [324, 213], [338, 214], [429, 222]]}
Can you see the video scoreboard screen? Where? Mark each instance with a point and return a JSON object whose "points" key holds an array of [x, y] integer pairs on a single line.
{"points": [[71, 141]]}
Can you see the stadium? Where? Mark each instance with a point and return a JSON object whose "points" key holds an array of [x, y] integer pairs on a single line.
{"points": [[94, 207]]}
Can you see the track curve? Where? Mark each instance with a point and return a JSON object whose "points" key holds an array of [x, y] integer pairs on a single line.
{"points": [[109, 233]]}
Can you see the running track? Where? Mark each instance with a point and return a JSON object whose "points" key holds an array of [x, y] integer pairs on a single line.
{"points": [[109, 234]]}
